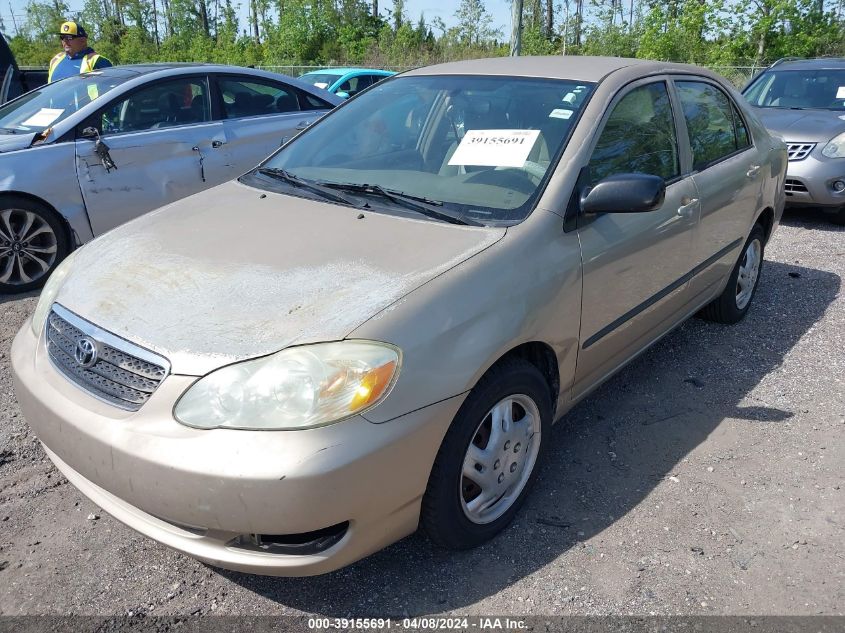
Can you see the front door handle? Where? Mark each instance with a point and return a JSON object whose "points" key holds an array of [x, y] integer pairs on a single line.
{"points": [[753, 170], [216, 144], [688, 206], [202, 161]]}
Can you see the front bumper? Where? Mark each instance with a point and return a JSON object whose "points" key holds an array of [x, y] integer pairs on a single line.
{"points": [[809, 181], [198, 490]]}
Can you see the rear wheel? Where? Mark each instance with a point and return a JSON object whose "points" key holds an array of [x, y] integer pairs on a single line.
{"points": [[488, 459], [839, 216], [33, 241], [733, 303]]}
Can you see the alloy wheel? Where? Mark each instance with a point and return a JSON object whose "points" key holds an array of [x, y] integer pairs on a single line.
{"points": [[28, 247]]}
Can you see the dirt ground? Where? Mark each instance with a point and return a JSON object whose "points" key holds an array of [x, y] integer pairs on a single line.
{"points": [[705, 478]]}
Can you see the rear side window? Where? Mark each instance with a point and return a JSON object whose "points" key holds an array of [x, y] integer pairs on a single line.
{"points": [[715, 128], [639, 137], [250, 97]]}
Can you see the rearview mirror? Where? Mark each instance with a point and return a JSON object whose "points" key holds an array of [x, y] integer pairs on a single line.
{"points": [[625, 193]]}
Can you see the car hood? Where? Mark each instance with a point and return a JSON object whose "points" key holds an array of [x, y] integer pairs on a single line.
{"points": [[809, 126], [227, 275], [11, 142]]}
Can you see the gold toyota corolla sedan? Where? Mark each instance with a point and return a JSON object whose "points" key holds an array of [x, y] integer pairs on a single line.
{"points": [[374, 329]]}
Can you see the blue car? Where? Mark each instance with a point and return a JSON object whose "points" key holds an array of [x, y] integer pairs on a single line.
{"points": [[345, 82]]}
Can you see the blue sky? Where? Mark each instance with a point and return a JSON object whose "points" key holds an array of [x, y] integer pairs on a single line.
{"points": [[444, 9]]}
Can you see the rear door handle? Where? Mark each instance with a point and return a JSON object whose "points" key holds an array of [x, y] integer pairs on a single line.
{"points": [[753, 170], [688, 207], [304, 124], [216, 144]]}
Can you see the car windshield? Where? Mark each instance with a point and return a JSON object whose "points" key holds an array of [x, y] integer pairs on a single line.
{"points": [[473, 149], [799, 89], [320, 80], [43, 108]]}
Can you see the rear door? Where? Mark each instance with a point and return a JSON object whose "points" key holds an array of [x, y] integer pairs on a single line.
{"points": [[259, 115], [160, 138], [635, 265], [728, 172]]}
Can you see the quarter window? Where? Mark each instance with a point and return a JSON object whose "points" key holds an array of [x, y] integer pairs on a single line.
{"points": [[715, 128], [639, 137]]}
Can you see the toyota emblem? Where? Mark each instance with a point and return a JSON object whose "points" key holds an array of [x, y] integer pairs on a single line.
{"points": [[85, 352]]}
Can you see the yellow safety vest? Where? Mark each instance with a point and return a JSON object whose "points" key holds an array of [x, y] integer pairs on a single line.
{"points": [[87, 65]]}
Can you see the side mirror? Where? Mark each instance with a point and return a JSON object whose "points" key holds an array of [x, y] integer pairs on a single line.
{"points": [[625, 193], [90, 132], [342, 94]]}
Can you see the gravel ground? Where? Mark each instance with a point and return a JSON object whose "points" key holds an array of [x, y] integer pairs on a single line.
{"points": [[705, 478]]}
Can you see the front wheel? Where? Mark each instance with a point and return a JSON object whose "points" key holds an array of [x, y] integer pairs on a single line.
{"points": [[733, 303], [488, 459], [32, 243]]}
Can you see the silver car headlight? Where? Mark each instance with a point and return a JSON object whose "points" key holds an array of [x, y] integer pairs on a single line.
{"points": [[836, 147], [297, 388], [48, 294]]}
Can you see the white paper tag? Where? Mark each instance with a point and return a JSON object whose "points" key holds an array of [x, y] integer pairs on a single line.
{"points": [[560, 113], [495, 148], [840, 94], [321, 84], [43, 118]]}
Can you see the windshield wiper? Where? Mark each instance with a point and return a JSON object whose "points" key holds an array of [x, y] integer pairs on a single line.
{"points": [[415, 203], [296, 181], [9, 130]]}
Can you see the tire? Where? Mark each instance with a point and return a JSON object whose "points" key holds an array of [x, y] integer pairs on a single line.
{"points": [[733, 303], [838, 217], [448, 514], [33, 241]]}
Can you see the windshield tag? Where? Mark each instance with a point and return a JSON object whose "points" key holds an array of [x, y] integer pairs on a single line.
{"points": [[495, 148], [43, 118], [322, 84], [840, 93], [560, 113]]}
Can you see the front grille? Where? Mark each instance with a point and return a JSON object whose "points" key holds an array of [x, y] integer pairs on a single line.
{"points": [[122, 373], [799, 151], [794, 186]]}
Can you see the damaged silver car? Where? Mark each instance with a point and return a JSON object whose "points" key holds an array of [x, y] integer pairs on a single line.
{"points": [[83, 155]]}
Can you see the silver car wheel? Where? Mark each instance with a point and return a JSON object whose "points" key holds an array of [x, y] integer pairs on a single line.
{"points": [[500, 458], [28, 247], [749, 270]]}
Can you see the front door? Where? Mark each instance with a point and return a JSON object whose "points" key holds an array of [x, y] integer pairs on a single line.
{"points": [[163, 146], [635, 264]]}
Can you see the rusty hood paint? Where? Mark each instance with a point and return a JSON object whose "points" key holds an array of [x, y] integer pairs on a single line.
{"points": [[227, 275]]}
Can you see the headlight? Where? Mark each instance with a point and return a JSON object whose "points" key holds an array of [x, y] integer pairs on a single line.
{"points": [[297, 388], [836, 147], [48, 294]]}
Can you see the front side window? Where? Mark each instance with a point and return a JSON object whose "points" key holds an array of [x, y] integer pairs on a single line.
{"points": [[639, 137], [354, 85], [822, 89], [180, 101], [710, 122], [475, 147], [248, 97]]}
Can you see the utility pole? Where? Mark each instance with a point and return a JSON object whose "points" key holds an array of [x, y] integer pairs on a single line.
{"points": [[14, 21], [516, 30]]}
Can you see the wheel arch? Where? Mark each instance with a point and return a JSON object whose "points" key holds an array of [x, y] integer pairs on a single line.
{"points": [[543, 357], [70, 235], [766, 219]]}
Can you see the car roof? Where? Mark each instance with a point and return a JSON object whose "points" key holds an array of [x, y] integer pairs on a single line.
{"points": [[574, 67], [346, 71], [820, 63]]}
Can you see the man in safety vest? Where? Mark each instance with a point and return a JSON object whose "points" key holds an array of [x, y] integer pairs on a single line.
{"points": [[77, 57]]}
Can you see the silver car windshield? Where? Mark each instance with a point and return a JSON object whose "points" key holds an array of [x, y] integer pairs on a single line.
{"points": [[43, 108], [799, 89], [474, 148]]}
